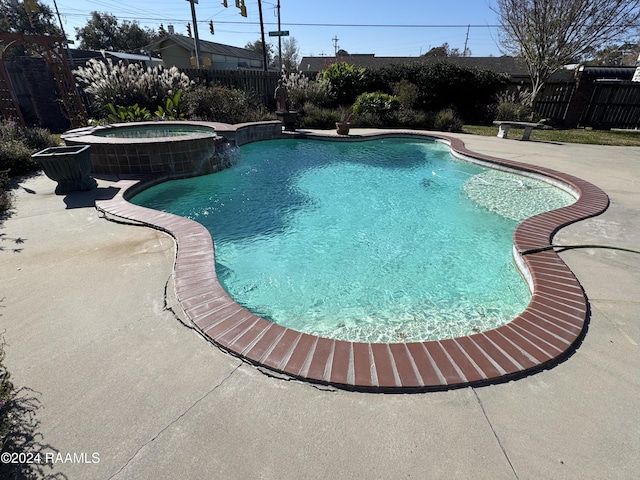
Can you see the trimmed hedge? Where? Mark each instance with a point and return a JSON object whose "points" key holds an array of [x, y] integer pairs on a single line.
{"points": [[441, 85]]}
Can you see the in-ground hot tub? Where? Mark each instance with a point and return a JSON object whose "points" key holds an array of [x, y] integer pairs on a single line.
{"points": [[175, 148]]}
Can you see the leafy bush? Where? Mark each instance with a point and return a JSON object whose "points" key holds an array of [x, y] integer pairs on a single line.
{"points": [[406, 92], [129, 84], [312, 116], [7, 395], [221, 104], [132, 113], [15, 157], [410, 118], [447, 120], [514, 105], [345, 82], [5, 205], [18, 144], [440, 85], [173, 108], [379, 103]]}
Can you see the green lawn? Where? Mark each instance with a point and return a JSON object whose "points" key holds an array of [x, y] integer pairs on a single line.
{"points": [[629, 138]]}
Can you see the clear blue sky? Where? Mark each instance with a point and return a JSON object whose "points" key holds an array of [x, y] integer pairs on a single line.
{"points": [[412, 27]]}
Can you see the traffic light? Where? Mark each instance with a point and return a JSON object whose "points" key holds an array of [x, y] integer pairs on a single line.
{"points": [[211, 27], [189, 29], [243, 9]]}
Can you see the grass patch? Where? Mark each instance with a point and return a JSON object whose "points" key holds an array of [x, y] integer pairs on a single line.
{"points": [[630, 138]]}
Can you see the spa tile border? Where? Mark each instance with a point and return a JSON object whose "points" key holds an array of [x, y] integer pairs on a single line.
{"points": [[545, 333]]}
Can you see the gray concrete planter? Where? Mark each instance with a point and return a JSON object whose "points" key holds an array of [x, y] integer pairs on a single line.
{"points": [[69, 166]]}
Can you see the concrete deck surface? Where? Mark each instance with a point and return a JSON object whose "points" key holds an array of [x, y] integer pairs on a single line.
{"points": [[112, 375]]}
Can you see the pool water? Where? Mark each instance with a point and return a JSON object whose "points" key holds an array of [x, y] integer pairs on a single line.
{"points": [[155, 131], [381, 241]]}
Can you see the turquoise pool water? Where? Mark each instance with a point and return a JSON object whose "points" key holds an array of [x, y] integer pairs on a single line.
{"points": [[155, 131], [381, 241]]}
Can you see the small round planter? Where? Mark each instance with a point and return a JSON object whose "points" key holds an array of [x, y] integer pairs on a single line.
{"points": [[69, 166]]}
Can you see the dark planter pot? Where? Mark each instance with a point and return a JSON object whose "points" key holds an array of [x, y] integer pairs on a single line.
{"points": [[69, 166], [289, 120], [343, 128]]}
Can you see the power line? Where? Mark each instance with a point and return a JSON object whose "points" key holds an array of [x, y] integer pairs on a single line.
{"points": [[332, 25]]}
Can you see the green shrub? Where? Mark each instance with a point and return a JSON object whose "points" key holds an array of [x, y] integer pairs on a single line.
{"points": [[312, 116], [512, 111], [410, 118], [173, 108], [132, 113], [5, 205], [221, 104], [447, 120], [379, 103], [345, 82], [370, 119], [15, 157], [514, 106], [7, 395], [18, 144], [440, 85], [406, 92], [37, 138]]}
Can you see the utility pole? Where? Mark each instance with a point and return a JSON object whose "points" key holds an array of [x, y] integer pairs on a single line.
{"points": [[279, 42], [196, 39], [264, 55], [466, 42]]}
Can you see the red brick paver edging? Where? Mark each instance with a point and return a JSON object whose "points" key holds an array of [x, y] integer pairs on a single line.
{"points": [[546, 332]]}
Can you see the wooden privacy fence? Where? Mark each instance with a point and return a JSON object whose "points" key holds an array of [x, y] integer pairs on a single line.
{"points": [[258, 82], [613, 105], [554, 99], [600, 104]]}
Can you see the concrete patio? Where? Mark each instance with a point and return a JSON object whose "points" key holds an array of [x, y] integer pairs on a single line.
{"points": [[92, 341]]}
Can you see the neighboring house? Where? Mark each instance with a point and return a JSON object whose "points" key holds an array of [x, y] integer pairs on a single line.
{"points": [[179, 51], [314, 65], [81, 57]]}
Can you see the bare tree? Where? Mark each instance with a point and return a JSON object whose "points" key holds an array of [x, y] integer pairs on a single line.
{"points": [[548, 34], [290, 54]]}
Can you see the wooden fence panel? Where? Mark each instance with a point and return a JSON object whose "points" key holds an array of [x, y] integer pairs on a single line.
{"points": [[553, 101], [257, 82], [613, 105]]}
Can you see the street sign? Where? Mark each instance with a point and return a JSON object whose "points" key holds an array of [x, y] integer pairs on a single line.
{"points": [[279, 33]]}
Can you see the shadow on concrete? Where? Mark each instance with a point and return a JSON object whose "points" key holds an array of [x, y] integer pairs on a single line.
{"points": [[10, 244], [24, 454], [88, 198]]}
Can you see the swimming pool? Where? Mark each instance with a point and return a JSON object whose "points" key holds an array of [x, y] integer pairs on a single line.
{"points": [[390, 240], [546, 332]]}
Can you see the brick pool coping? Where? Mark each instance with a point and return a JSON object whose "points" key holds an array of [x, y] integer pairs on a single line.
{"points": [[545, 333]]}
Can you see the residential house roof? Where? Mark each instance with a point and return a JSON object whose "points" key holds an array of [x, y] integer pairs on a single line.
{"points": [[80, 57], [206, 47]]}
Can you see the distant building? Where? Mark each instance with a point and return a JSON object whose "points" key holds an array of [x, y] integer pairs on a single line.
{"points": [[509, 65], [81, 57], [179, 51]]}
